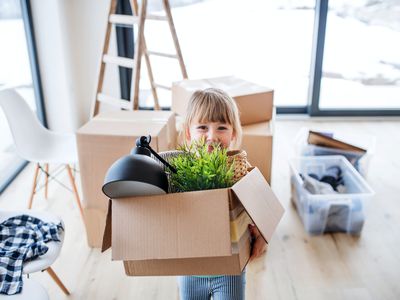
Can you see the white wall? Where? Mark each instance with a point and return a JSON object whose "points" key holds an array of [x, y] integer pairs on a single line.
{"points": [[69, 37]]}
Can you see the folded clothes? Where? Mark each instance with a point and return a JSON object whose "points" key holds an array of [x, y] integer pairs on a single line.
{"points": [[331, 176], [316, 187], [345, 218], [239, 226], [244, 239], [337, 218], [234, 213], [234, 203]]}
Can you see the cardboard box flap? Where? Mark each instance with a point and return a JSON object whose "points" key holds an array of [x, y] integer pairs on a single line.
{"points": [[164, 226], [232, 85], [260, 202], [258, 129], [136, 115], [237, 87], [107, 230], [116, 127]]}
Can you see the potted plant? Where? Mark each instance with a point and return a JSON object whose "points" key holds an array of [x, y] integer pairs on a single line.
{"points": [[199, 169]]}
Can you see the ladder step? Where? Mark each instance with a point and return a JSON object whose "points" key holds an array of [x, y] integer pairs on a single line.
{"points": [[113, 101], [123, 19], [156, 17], [118, 60], [162, 86], [162, 54]]}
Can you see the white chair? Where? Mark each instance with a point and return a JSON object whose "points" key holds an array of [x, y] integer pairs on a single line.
{"points": [[43, 262], [32, 290], [37, 144]]}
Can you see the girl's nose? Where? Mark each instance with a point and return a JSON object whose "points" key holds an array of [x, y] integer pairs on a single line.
{"points": [[212, 137]]}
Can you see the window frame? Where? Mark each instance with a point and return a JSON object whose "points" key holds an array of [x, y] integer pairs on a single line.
{"points": [[26, 14]]}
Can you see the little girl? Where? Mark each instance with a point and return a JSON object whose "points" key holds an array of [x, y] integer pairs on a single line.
{"points": [[213, 116]]}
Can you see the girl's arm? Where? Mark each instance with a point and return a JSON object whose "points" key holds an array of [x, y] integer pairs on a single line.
{"points": [[259, 246]]}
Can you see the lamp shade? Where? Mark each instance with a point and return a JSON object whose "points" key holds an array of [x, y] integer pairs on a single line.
{"points": [[136, 174]]}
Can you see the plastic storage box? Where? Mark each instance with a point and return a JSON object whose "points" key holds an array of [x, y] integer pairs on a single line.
{"points": [[329, 212], [360, 163]]}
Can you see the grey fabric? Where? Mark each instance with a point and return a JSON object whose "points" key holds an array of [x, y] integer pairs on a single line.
{"points": [[315, 186]]}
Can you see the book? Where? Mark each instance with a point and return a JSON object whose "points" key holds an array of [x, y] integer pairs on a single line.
{"points": [[319, 139]]}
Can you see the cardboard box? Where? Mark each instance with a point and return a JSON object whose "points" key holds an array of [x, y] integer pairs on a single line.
{"points": [[255, 102], [95, 222], [146, 116], [257, 141], [188, 233], [102, 141]]}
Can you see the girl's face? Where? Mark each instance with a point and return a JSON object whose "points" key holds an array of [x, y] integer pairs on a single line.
{"points": [[211, 132]]}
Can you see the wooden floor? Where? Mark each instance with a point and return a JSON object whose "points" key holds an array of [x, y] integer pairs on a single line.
{"points": [[297, 266]]}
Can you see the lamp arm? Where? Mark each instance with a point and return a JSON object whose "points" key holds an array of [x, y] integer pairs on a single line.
{"points": [[173, 170]]}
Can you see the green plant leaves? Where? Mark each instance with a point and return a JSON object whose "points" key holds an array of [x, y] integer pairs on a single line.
{"points": [[199, 169]]}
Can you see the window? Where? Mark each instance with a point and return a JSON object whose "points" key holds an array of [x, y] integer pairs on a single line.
{"points": [[357, 62], [320, 57], [267, 42], [18, 70]]}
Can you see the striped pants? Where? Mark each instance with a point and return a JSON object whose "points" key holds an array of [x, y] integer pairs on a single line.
{"points": [[219, 288]]}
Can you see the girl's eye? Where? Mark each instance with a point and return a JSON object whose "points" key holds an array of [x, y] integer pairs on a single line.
{"points": [[222, 128], [202, 127]]}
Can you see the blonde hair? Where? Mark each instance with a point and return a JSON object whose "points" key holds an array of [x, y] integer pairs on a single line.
{"points": [[214, 105]]}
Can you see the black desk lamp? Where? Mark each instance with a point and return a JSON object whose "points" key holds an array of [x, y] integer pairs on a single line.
{"points": [[137, 174]]}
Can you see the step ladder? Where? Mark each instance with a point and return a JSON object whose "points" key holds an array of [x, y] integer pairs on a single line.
{"points": [[138, 18]]}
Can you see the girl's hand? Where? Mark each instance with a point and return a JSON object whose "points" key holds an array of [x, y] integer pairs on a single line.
{"points": [[259, 246]]}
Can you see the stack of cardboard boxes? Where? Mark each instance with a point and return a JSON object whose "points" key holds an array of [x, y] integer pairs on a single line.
{"points": [[104, 139], [191, 233], [255, 105]]}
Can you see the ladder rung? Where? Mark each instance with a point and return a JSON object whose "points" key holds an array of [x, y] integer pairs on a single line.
{"points": [[162, 86], [162, 54], [118, 60], [113, 101], [123, 19], [156, 17]]}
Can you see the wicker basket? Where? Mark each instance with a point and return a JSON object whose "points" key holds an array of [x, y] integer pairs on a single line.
{"points": [[239, 159]]}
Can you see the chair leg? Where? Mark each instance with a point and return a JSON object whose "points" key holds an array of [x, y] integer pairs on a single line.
{"points": [[46, 168], [78, 201], [57, 280], [34, 186]]}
